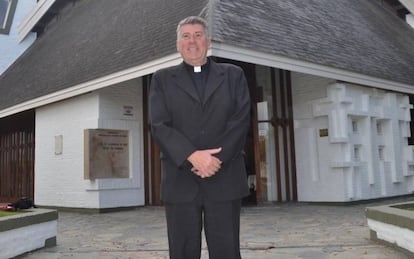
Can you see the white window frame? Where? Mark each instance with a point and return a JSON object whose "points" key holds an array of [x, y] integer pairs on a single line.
{"points": [[8, 18]]}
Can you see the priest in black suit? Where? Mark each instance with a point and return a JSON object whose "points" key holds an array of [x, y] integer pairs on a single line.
{"points": [[199, 113]]}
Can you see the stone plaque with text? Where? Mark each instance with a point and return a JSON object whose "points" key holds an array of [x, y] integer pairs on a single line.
{"points": [[106, 153]]}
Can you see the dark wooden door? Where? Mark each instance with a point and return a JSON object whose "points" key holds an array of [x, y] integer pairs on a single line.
{"points": [[152, 162], [17, 143], [277, 171]]}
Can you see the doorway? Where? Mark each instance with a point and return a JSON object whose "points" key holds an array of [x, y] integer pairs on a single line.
{"points": [[17, 145], [152, 155], [270, 145], [269, 150], [276, 173]]}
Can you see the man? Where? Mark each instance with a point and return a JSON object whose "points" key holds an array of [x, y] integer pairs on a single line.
{"points": [[199, 114]]}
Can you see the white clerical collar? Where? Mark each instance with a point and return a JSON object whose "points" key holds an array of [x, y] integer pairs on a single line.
{"points": [[197, 69]]}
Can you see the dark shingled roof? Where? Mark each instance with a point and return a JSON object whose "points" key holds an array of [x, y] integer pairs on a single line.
{"points": [[93, 38], [353, 35]]}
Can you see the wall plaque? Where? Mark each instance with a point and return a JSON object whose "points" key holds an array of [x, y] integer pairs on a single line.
{"points": [[106, 153], [323, 132]]}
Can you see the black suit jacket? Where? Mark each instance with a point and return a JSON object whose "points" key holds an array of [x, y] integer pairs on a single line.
{"points": [[182, 123]]}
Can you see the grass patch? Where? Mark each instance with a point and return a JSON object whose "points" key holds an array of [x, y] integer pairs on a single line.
{"points": [[8, 213]]}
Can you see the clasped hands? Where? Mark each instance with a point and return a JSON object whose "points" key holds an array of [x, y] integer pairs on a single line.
{"points": [[205, 164]]}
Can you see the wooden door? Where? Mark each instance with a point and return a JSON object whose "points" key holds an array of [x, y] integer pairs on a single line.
{"points": [[152, 162], [17, 143], [276, 149]]}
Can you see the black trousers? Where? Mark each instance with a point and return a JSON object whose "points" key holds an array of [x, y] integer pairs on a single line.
{"points": [[221, 221]]}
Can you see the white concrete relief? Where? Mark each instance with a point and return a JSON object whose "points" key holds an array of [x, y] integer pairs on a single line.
{"points": [[365, 153]]}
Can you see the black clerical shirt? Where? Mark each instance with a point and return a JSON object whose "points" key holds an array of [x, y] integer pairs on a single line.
{"points": [[199, 78]]}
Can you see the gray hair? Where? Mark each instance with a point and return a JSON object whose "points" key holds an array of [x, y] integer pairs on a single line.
{"points": [[193, 20]]}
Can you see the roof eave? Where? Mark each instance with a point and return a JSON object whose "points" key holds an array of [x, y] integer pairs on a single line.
{"points": [[271, 60], [96, 84]]}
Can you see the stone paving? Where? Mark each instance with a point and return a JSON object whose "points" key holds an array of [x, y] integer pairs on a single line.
{"points": [[285, 231]]}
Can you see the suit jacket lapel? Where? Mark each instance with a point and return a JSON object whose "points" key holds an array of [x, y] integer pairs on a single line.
{"points": [[184, 81], [214, 79]]}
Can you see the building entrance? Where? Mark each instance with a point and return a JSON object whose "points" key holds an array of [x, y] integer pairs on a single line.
{"points": [[276, 173], [17, 145], [269, 149]]}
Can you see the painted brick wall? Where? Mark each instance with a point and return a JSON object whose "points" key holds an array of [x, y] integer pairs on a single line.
{"points": [[365, 154], [59, 179], [10, 47], [120, 107]]}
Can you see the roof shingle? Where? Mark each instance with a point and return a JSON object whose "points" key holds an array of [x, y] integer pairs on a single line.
{"points": [[353, 35], [93, 38]]}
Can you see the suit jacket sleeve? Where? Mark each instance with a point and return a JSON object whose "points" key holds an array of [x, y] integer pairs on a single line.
{"points": [[172, 142], [233, 138]]}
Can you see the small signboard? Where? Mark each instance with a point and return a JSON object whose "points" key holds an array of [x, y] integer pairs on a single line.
{"points": [[323, 132]]}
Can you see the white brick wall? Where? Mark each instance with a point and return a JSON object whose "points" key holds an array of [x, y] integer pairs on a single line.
{"points": [[346, 165], [59, 179], [10, 48], [115, 102]]}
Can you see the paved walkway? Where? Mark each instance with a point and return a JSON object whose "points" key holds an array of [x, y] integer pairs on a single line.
{"points": [[285, 231]]}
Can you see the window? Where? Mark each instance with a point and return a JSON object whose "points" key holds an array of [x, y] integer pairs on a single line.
{"points": [[7, 9]]}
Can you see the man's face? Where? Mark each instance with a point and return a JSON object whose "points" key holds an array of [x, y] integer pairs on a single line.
{"points": [[192, 43]]}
